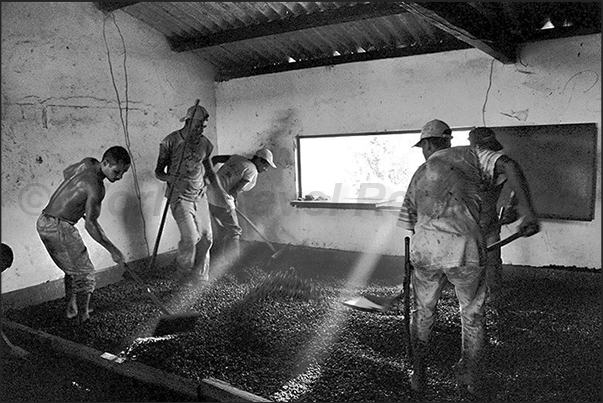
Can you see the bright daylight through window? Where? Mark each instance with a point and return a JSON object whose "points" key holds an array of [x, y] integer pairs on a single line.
{"points": [[371, 168]]}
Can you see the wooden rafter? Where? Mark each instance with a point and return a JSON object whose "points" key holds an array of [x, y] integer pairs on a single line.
{"points": [[504, 52], [445, 45], [112, 6]]}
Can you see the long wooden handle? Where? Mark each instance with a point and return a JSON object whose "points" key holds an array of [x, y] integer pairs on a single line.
{"points": [[256, 229], [148, 290], [406, 291], [505, 241], [167, 200]]}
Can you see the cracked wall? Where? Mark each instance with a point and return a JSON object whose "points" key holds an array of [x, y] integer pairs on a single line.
{"points": [[553, 82], [76, 81]]}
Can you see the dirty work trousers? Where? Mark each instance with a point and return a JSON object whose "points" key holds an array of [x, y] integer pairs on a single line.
{"points": [[470, 288], [194, 224], [68, 251]]}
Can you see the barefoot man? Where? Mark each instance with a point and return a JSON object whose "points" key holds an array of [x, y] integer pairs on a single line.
{"points": [[80, 195]]}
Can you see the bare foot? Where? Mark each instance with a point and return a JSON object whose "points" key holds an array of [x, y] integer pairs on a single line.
{"points": [[84, 316], [71, 311]]}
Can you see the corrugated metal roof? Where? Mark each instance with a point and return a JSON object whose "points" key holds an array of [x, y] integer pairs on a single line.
{"points": [[242, 39]]}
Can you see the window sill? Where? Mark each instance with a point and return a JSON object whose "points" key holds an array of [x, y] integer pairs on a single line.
{"points": [[325, 204]]}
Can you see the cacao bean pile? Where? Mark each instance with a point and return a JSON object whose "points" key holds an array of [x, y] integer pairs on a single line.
{"points": [[282, 333]]}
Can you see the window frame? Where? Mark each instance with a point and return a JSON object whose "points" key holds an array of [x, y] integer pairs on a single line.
{"points": [[382, 205]]}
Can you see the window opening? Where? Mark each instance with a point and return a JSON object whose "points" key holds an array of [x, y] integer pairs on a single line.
{"points": [[362, 168]]}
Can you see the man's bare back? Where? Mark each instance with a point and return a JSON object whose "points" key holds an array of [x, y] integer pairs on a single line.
{"points": [[83, 184]]}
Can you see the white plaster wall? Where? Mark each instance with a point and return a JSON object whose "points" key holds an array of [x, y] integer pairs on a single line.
{"points": [[556, 81], [59, 105]]}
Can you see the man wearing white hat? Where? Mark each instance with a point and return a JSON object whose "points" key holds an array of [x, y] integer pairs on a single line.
{"points": [[237, 174], [184, 163], [442, 209]]}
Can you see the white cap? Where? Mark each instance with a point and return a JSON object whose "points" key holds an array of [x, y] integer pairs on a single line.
{"points": [[267, 155]]}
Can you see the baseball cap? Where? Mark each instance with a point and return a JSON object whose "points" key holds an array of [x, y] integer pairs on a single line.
{"points": [[485, 137], [435, 128], [267, 155], [200, 113]]}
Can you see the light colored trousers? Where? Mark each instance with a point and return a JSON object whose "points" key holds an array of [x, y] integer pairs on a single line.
{"points": [[194, 223], [470, 288]]}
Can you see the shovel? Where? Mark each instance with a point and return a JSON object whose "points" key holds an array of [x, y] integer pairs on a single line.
{"points": [[275, 253], [168, 323], [374, 303]]}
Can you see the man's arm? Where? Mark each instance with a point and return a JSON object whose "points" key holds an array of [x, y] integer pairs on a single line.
{"points": [[210, 174], [93, 208], [237, 187], [530, 224], [219, 159], [407, 217], [163, 160]]}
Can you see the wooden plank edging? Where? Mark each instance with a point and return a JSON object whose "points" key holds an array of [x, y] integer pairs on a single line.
{"points": [[211, 388]]}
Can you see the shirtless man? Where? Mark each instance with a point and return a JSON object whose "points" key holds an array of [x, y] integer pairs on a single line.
{"points": [[80, 195]]}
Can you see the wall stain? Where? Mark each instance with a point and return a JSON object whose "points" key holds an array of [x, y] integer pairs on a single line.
{"points": [[519, 115], [44, 118]]}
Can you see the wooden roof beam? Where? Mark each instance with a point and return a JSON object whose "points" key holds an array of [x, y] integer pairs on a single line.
{"points": [[445, 46], [112, 6], [450, 16]]}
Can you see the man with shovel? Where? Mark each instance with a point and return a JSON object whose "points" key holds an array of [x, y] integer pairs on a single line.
{"points": [[491, 220], [184, 163], [237, 174], [80, 196], [442, 210]]}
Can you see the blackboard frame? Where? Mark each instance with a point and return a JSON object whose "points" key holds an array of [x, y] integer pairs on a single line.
{"points": [[560, 165]]}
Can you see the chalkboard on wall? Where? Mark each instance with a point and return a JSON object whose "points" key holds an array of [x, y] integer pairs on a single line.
{"points": [[560, 165]]}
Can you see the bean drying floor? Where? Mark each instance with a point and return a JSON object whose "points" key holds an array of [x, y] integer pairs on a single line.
{"points": [[278, 329]]}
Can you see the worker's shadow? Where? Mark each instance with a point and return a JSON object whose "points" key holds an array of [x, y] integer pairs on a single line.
{"points": [[133, 222]]}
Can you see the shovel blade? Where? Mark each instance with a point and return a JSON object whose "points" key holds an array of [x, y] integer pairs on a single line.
{"points": [[364, 304], [173, 324]]}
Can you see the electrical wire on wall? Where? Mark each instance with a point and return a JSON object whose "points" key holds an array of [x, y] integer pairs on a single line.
{"points": [[428, 16], [124, 123], [487, 93]]}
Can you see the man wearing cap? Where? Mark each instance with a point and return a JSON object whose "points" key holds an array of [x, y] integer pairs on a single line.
{"points": [[484, 138], [184, 164], [441, 209], [237, 174]]}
